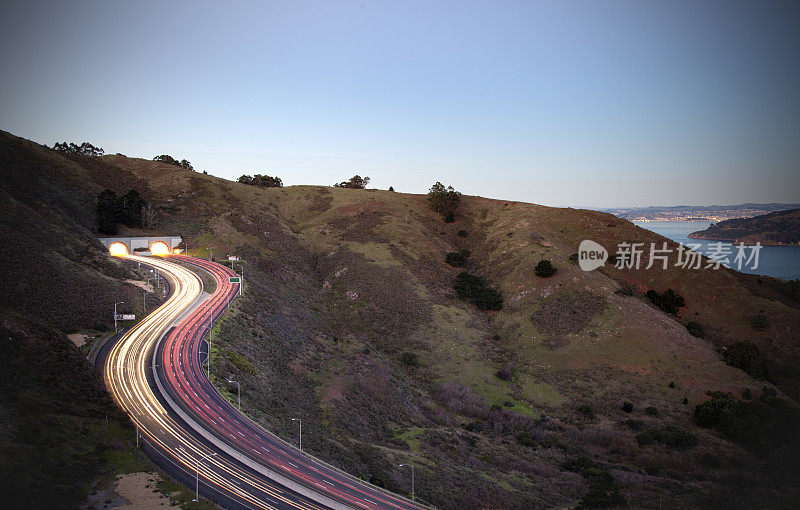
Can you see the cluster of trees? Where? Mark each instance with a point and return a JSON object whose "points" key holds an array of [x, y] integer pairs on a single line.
{"points": [[129, 209], [262, 181], [355, 182], [84, 149], [762, 425], [745, 355], [670, 301], [444, 201], [164, 158], [474, 289]]}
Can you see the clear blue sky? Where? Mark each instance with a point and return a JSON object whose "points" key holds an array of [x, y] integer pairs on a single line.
{"points": [[590, 103]]}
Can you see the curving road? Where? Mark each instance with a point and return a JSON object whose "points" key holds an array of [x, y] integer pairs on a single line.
{"points": [[185, 419]]}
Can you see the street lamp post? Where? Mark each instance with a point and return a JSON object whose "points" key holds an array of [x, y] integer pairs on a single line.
{"points": [[197, 479], [238, 393], [300, 447], [412, 479], [115, 312]]}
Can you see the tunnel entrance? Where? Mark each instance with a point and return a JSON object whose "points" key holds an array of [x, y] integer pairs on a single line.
{"points": [[118, 249], [159, 248]]}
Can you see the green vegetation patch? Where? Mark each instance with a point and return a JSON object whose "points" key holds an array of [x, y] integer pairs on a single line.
{"points": [[670, 301], [760, 425], [475, 290], [745, 355]]}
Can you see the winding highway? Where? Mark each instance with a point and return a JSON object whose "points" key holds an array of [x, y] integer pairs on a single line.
{"points": [[156, 373]]}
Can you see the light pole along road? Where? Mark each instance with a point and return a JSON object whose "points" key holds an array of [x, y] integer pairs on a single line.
{"points": [[186, 419]]}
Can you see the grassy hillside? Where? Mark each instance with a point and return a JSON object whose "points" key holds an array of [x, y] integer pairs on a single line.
{"points": [[578, 390], [61, 432], [350, 321]]}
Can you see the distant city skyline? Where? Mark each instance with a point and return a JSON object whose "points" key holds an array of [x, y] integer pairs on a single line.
{"points": [[576, 103]]}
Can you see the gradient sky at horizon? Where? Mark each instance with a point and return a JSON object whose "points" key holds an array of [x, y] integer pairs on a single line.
{"points": [[578, 103]]}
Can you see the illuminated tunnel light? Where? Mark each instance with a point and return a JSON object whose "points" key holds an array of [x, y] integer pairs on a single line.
{"points": [[118, 249], [159, 248]]}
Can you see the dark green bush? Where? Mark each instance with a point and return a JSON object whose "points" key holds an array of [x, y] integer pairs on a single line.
{"points": [[587, 411], [475, 426], [455, 259], [526, 438], [474, 289], [745, 355], [672, 384], [544, 269], [695, 329], [669, 301], [462, 233], [633, 424], [409, 359], [627, 407], [505, 373], [759, 322], [603, 491], [650, 410], [670, 436], [760, 425]]}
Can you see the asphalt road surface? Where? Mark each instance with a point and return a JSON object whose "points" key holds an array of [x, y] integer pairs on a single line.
{"points": [[188, 426]]}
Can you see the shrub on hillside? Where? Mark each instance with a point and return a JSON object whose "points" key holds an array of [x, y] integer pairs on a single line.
{"points": [[462, 233], [587, 411], [669, 301], [545, 269], [745, 355], [670, 436], [455, 259], [759, 322], [695, 329], [505, 373], [603, 491], [262, 181], [627, 407], [444, 201], [474, 289], [355, 182], [762, 425], [409, 359]]}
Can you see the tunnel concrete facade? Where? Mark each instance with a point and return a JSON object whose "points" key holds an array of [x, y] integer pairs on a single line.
{"points": [[140, 244]]}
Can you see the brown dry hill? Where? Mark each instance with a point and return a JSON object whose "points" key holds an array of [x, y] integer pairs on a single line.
{"points": [[780, 227], [350, 321]]}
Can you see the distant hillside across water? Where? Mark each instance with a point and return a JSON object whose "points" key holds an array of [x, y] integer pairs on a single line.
{"points": [[710, 213]]}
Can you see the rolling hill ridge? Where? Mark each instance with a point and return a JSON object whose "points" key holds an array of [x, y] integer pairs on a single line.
{"points": [[579, 389]]}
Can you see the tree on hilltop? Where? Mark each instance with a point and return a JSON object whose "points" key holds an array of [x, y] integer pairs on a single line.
{"points": [[84, 149], [355, 182], [262, 181], [444, 201], [166, 158]]}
